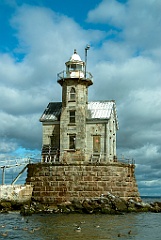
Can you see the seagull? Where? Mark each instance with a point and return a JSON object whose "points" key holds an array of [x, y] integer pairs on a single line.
{"points": [[36, 229], [121, 235], [78, 229], [25, 229], [3, 226], [97, 226], [32, 231], [5, 234], [82, 222], [15, 227]]}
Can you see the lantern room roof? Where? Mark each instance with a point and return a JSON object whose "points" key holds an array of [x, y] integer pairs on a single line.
{"points": [[75, 57]]}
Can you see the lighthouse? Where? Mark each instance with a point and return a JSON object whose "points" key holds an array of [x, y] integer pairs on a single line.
{"points": [[79, 159], [74, 106], [76, 131]]}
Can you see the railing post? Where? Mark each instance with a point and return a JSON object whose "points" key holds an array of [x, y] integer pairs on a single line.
{"points": [[3, 175]]}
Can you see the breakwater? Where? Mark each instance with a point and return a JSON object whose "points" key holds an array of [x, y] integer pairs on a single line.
{"points": [[16, 193]]}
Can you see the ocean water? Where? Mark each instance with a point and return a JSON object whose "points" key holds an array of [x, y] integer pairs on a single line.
{"points": [[139, 226]]}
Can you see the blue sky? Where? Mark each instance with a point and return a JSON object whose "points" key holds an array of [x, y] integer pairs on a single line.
{"points": [[38, 36]]}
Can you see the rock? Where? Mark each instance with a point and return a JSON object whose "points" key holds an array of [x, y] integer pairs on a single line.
{"points": [[87, 206], [5, 205], [134, 206], [53, 209], [119, 204], [71, 208], [158, 203], [77, 206], [64, 207], [26, 211], [156, 207], [106, 209], [105, 204]]}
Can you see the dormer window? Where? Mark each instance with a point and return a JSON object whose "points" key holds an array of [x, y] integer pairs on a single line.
{"points": [[72, 94]]}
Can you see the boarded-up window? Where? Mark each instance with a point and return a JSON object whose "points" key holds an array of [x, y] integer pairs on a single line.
{"points": [[96, 143], [72, 139], [72, 116], [52, 141]]}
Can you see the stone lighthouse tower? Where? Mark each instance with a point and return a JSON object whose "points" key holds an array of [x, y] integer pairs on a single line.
{"points": [[75, 82]]}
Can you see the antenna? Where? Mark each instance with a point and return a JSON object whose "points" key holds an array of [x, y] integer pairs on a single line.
{"points": [[86, 49]]}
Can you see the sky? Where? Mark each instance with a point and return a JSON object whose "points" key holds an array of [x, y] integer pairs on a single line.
{"points": [[37, 37]]}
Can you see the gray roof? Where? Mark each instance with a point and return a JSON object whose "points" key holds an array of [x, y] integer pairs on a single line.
{"points": [[100, 109], [52, 112], [97, 110]]}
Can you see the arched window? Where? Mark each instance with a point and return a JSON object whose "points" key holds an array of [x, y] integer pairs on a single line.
{"points": [[72, 94]]}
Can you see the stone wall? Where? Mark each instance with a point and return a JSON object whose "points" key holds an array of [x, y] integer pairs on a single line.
{"points": [[18, 193], [60, 183]]}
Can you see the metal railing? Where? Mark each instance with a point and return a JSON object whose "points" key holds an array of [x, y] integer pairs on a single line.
{"points": [[123, 159], [78, 74], [18, 164], [14, 162]]}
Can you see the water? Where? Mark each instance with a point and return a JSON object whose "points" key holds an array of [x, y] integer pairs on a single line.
{"points": [[139, 226]]}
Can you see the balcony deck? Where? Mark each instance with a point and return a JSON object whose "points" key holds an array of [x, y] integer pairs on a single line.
{"points": [[62, 76]]}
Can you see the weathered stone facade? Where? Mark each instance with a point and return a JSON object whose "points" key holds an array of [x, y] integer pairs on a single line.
{"points": [[75, 128], [61, 183], [79, 146]]}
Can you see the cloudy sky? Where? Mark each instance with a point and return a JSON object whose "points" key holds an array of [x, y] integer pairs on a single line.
{"points": [[38, 36]]}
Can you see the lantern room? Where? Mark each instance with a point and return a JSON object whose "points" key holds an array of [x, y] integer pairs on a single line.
{"points": [[75, 70], [75, 66]]}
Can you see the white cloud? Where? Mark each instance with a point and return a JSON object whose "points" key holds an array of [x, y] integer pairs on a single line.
{"points": [[121, 79], [124, 60], [46, 41], [52, 36], [13, 73], [138, 22], [151, 183], [144, 104], [144, 153], [143, 21], [6, 147], [108, 11]]}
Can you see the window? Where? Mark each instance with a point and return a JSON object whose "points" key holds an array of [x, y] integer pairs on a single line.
{"points": [[96, 143], [72, 94], [72, 117], [73, 66], [72, 139]]}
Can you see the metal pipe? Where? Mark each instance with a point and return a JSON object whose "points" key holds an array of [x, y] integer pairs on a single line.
{"points": [[86, 49], [105, 138]]}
